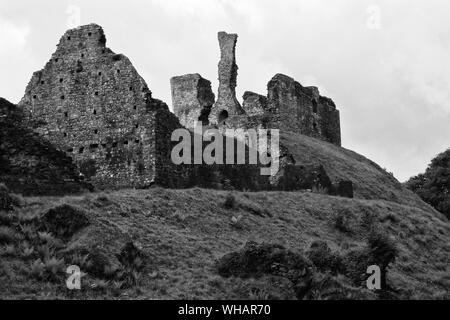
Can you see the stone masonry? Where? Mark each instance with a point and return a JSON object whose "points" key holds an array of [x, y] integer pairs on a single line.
{"points": [[288, 106], [92, 104], [299, 109], [226, 103], [192, 99]]}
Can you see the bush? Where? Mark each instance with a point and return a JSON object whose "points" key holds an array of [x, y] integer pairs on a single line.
{"points": [[64, 220], [381, 249], [133, 262], [433, 186], [230, 202], [323, 258], [258, 260], [9, 250], [6, 202], [54, 267], [6, 218], [342, 220], [7, 235], [37, 269]]}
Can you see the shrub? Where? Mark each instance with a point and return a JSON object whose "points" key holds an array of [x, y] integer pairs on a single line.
{"points": [[133, 262], [6, 202], [79, 259], [433, 185], [381, 249], [54, 267], [27, 250], [9, 250], [342, 221], [37, 269], [7, 235], [6, 218], [45, 251], [230, 202], [64, 220], [99, 264], [100, 285], [323, 258]]}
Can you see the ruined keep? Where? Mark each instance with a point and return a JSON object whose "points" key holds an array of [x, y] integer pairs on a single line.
{"points": [[288, 105], [92, 104]]}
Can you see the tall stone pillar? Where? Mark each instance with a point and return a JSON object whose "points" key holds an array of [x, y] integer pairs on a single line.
{"points": [[226, 104]]}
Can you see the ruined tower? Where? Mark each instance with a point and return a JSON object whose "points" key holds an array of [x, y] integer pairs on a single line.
{"points": [[192, 99], [295, 108], [288, 106], [226, 104], [92, 104]]}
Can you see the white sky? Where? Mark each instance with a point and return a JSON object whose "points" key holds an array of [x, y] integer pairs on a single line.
{"points": [[386, 63]]}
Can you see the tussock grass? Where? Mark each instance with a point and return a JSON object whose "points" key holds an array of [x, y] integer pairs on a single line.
{"points": [[182, 233]]}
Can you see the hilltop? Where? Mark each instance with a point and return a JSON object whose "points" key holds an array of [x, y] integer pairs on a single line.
{"points": [[184, 237]]}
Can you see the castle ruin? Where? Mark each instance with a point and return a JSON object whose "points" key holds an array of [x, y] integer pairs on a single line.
{"points": [[288, 105], [93, 105]]}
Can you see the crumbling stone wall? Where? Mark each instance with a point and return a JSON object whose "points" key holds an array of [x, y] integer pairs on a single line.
{"points": [[92, 104], [192, 99], [226, 104], [30, 165], [288, 105], [301, 109], [254, 104]]}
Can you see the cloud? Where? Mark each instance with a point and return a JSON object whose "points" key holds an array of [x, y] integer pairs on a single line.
{"points": [[390, 83], [13, 38]]}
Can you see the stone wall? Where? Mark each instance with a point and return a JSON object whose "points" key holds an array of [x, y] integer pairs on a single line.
{"points": [[192, 99], [92, 104], [254, 104], [226, 104], [30, 165], [288, 105], [302, 110]]}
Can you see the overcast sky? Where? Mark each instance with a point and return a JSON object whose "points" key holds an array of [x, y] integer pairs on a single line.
{"points": [[386, 64]]}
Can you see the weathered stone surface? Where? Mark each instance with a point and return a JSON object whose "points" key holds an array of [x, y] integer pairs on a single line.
{"points": [[226, 104], [254, 104], [301, 109], [289, 106], [30, 165], [192, 99], [92, 104]]}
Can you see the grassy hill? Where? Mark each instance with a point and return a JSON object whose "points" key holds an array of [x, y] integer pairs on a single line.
{"points": [[201, 244], [369, 179]]}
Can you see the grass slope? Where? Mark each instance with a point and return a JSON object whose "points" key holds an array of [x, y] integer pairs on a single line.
{"points": [[166, 244], [370, 180], [184, 232]]}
